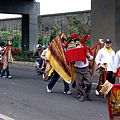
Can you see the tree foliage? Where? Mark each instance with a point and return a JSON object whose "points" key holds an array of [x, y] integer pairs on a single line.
{"points": [[5, 35], [40, 38], [55, 30], [16, 35], [76, 25]]}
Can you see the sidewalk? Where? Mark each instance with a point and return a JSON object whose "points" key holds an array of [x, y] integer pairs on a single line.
{"points": [[31, 64]]}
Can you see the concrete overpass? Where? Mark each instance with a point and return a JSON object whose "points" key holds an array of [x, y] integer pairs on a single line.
{"points": [[29, 9], [105, 20]]}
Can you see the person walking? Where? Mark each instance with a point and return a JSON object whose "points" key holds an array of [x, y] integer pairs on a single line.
{"points": [[83, 73], [57, 61]]}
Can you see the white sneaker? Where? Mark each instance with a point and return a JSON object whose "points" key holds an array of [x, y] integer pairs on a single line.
{"points": [[96, 92], [68, 92], [48, 90], [3, 76], [43, 76], [9, 77]]}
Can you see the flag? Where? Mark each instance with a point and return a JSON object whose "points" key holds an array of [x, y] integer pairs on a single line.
{"points": [[93, 51]]}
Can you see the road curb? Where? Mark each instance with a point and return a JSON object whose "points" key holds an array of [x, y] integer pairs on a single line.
{"points": [[31, 64]]}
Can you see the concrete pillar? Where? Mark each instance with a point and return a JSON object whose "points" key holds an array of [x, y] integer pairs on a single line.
{"points": [[29, 11], [117, 23], [103, 21]]}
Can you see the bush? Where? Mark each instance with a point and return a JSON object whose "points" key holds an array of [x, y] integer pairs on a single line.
{"points": [[19, 55], [15, 50]]}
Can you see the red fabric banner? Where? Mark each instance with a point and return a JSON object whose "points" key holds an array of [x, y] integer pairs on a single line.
{"points": [[75, 54]]}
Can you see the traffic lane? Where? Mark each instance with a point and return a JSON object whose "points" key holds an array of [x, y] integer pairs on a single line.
{"points": [[25, 97]]}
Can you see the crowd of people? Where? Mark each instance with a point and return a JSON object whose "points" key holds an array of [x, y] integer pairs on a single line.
{"points": [[54, 64], [55, 53]]}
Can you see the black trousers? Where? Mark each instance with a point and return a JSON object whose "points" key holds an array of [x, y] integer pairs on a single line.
{"points": [[109, 77]]}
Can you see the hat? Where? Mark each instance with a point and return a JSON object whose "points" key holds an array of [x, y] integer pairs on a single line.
{"points": [[38, 45], [108, 40]]}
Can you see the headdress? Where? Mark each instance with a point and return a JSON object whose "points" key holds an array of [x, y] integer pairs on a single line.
{"points": [[73, 36]]}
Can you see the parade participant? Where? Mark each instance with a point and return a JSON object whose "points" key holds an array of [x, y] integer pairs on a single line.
{"points": [[116, 70], [74, 40], [105, 56], [43, 54], [56, 57], [1, 54], [6, 59], [82, 71], [46, 65]]}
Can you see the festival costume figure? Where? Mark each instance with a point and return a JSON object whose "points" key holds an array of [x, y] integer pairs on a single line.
{"points": [[56, 57], [74, 40], [82, 71], [106, 56]]}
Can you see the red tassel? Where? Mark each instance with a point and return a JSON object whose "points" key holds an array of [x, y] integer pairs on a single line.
{"points": [[87, 37], [81, 40]]}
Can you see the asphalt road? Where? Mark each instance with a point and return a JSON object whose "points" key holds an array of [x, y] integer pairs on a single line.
{"points": [[24, 97]]}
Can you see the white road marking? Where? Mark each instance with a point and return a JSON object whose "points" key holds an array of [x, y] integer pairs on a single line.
{"points": [[5, 117]]}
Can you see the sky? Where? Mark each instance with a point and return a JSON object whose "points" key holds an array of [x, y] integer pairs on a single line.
{"points": [[57, 6]]}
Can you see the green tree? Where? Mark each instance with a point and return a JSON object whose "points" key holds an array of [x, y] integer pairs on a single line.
{"points": [[76, 25], [41, 38], [16, 38], [54, 30], [16, 35], [5, 36]]}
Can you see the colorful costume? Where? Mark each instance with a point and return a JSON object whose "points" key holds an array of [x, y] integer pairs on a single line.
{"points": [[6, 59], [56, 57]]}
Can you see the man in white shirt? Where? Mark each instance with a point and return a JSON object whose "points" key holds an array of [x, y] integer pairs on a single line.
{"points": [[106, 55]]}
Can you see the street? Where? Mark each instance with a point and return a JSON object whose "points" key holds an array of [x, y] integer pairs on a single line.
{"points": [[24, 97]]}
